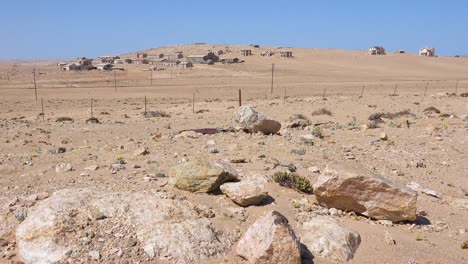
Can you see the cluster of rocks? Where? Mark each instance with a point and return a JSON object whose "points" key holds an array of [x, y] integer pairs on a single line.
{"points": [[72, 224], [82, 225]]}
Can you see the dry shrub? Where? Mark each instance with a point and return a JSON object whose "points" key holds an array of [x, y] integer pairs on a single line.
{"points": [[322, 111], [431, 109], [64, 119], [293, 181], [150, 114]]}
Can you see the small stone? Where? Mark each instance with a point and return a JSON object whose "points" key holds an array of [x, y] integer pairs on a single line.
{"points": [[141, 152], [314, 169], [92, 168], [292, 168], [213, 150], [389, 239], [132, 242], [383, 136], [63, 167], [20, 214], [95, 255], [333, 212], [386, 222], [298, 151]]}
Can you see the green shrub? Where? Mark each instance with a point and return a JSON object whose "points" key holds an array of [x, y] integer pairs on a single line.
{"points": [[293, 181]]}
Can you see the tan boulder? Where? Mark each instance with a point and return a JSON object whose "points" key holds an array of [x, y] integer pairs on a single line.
{"points": [[270, 240], [326, 237], [253, 121], [166, 228], [201, 176], [348, 186], [245, 192]]}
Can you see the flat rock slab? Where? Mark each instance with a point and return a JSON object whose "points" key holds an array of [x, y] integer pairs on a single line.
{"points": [[245, 192], [326, 237], [348, 186], [270, 240], [167, 228]]}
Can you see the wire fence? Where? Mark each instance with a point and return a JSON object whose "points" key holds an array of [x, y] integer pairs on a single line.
{"points": [[171, 85]]}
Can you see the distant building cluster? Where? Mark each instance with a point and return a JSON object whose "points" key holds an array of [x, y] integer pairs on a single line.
{"points": [[176, 59], [379, 50]]}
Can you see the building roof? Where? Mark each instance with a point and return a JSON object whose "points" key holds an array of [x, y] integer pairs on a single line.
{"points": [[196, 56]]}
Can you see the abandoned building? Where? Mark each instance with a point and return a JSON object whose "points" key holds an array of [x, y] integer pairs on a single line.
{"points": [[246, 52], [140, 61], [165, 63], [400, 51], [108, 59], [286, 54], [82, 64], [267, 53], [174, 56], [104, 66], [229, 60], [69, 67], [428, 52], [209, 58], [376, 50], [185, 64], [142, 55]]}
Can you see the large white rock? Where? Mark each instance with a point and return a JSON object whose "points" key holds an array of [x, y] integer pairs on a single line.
{"points": [[253, 121], [326, 237], [347, 186], [168, 229], [245, 192], [270, 240]]}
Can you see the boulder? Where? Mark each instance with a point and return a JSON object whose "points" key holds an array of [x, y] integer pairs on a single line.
{"points": [[326, 237], [270, 240], [168, 228], [348, 186], [245, 193], [201, 176], [253, 121], [63, 167]]}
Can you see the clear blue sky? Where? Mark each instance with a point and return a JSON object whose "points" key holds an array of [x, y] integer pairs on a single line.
{"points": [[66, 29]]}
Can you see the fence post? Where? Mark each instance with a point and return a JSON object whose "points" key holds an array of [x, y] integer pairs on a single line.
{"points": [[193, 102], [42, 107], [427, 84], [240, 97], [362, 91], [92, 102], [145, 105], [284, 100], [324, 92]]}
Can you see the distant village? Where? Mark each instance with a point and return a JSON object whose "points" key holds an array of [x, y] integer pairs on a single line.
{"points": [[162, 61], [379, 50], [177, 59]]}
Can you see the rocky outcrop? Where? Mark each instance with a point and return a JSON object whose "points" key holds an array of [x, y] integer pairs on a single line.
{"points": [[348, 186], [270, 240], [326, 237], [201, 176], [245, 193], [253, 121], [65, 228]]}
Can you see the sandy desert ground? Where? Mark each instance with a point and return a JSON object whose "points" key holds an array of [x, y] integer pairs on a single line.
{"points": [[421, 147]]}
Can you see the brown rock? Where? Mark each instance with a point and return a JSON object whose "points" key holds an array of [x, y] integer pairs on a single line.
{"points": [[245, 193], [270, 240], [201, 176], [348, 186]]}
